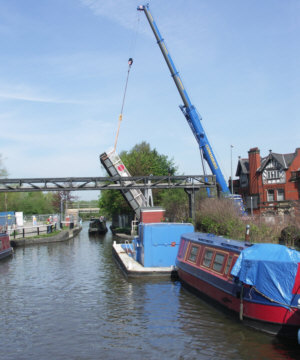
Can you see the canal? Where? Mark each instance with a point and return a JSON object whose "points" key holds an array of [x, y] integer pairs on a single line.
{"points": [[71, 301]]}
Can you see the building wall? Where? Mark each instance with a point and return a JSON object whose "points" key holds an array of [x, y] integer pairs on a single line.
{"points": [[258, 188]]}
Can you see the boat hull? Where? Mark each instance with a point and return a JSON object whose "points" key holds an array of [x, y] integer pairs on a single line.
{"points": [[5, 248], [6, 253], [271, 319], [206, 264], [97, 232]]}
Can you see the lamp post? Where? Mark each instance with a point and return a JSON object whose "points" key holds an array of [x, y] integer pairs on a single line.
{"points": [[231, 182]]}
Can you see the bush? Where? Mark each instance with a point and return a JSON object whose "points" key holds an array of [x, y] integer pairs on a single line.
{"points": [[221, 217], [290, 235]]}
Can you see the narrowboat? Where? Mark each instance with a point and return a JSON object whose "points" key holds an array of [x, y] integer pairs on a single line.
{"points": [[5, 248], [97, 226], [259, 284]]}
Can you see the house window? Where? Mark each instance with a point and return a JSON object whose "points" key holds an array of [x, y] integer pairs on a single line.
{"points": [[218, 262], [273, 174], [193, 253], [243, 180], [280, 195], [207, 258], [270, 195]]}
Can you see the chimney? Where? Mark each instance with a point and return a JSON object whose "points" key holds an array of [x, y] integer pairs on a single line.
{"points": [[254, 165]]}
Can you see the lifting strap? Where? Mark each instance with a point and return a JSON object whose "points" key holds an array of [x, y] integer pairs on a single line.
{"points": [[130, 61]]}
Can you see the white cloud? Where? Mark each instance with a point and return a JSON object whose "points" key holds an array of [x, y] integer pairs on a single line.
{"points": [[26, 93], [119, 11]]}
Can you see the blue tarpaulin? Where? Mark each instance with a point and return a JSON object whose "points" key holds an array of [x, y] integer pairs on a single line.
{"points": [[271, 269]]}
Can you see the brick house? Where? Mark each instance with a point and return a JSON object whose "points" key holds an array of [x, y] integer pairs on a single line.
{"points": [[271, 184]]}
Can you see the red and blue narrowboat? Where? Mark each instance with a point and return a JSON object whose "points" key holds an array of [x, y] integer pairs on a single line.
{"points": [[259, 283], [5, 248]]}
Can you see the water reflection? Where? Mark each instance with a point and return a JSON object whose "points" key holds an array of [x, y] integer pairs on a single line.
{"points": [[214, 332], [71, 301]]}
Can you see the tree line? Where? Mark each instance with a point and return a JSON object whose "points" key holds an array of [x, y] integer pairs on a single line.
{"points": [[141, 160]]}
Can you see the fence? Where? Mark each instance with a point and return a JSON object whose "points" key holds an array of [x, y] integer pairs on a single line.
{"points": [[30, 231], [32, 225]]}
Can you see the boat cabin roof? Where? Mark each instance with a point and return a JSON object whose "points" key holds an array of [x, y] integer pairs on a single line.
{"points": [[216, 241]]}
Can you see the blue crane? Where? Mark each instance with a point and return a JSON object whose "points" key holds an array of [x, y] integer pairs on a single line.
{"points": [[189, 110]]}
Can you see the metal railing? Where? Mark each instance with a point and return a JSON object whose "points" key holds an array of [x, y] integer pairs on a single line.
{"points": [[30, 231], [107, 183]]}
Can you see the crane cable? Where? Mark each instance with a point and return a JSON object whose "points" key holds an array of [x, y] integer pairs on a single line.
{"points": [[130, 61]]}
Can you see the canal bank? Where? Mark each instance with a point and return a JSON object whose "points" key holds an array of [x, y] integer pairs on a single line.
{"points": [[63, 235]]}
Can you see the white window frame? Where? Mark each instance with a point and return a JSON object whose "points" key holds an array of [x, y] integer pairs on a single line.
{"points": [[280, 195]]}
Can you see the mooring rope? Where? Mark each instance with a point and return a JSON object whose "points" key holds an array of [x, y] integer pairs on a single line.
{"points": [[272, 300]]}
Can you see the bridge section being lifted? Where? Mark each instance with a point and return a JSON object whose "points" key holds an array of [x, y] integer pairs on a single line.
{"points": [[115, 167]]}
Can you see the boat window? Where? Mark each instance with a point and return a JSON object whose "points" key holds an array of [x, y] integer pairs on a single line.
{"points": [[229, 262], [218, 262], [207, 257], [193, 253]]}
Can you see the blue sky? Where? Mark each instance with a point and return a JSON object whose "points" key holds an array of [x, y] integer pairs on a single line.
{"points": [[63, 67]]}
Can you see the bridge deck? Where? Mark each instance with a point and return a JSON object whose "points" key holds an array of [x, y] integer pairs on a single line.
{"points": [[106, 183]]}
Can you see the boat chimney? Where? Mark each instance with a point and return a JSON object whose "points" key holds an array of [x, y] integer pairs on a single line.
{"points": [[247, 233]]}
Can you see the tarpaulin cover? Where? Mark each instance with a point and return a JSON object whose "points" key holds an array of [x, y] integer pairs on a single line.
{"points": [[271, 268]]}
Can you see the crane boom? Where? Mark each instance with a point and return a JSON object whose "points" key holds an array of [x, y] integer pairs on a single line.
{"points": [[189, 110]]}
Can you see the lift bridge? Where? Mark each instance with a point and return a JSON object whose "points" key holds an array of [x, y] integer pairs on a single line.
{"points": [[133, 188]]}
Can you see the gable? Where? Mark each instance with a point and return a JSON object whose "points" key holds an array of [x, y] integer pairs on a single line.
{"points": [[243, 167]]}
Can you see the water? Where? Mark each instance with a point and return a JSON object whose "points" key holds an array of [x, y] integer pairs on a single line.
{"points": [[71, 301]]}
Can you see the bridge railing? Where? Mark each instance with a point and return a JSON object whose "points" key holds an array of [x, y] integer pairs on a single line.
{"points": [[107, 183]]}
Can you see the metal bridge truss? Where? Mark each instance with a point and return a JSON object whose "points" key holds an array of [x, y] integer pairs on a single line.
{"points": [[187, 182]]}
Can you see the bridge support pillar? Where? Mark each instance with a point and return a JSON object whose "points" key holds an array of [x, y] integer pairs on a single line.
{"points": [[191, 195]]}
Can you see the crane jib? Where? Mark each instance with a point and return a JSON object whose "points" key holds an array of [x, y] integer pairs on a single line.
{"points": [[189, 111]]}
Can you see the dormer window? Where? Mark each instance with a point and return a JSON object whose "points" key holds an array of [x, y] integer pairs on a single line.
{"points": [[273, 173]]}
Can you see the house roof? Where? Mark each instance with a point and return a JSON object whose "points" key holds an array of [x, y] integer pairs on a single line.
{"points": [[284, 160], [243, 167]]}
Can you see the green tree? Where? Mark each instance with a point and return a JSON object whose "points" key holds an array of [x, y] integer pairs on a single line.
{"points": [[61, 198], [37, 203], [28, 202], [140, 160], [3, 171], [176, 203]]}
